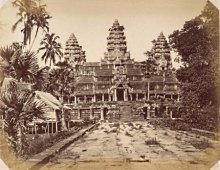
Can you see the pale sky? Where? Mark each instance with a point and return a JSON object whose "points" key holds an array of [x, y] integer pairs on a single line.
{"points": [[90, 20]]}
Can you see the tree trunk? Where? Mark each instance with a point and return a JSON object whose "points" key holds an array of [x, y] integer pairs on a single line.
{"points": [[19, 142], [63, 123]]}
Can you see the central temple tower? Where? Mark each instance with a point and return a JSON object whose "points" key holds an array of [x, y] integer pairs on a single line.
{"points": [[116, 45]]}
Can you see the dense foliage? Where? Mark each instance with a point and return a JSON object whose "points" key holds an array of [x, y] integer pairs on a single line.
{"points": [[198, 49]]}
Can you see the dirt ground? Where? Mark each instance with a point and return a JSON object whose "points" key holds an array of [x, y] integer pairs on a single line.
{"points": [[127, 148]]}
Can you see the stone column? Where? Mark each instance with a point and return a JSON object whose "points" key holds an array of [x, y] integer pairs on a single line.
{"points": [[148, 112], [103, 97], [178, 97], [167, 110], [136, 96], [115, 95], [102, 113], [131, 97], [84, 99], [125, 95], [91, 113], [94, 98], [171, 114], [109, 97], [75, 100], [78, 113]]}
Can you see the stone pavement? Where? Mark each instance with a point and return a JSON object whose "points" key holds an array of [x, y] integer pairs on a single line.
{"points": [[43, 157], [128, 143]]}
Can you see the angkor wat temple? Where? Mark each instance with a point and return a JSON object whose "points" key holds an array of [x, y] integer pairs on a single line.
{"points": [[118, 87]]}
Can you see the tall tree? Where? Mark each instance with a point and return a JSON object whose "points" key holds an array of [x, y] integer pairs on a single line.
{"points": [[60, 85], [51, 48], [196, 44]]}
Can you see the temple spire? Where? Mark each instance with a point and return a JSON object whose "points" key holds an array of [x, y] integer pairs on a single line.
{"points": [[73, 52], [116, 43], [161, 53]]}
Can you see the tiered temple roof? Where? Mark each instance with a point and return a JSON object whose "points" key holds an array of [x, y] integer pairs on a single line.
{"points": [[116, 45], [73, 52], [161, 53]]}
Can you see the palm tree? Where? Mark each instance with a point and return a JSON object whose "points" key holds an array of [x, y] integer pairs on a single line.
{"points": [[18, 107], [21, 65], [31, 13], [25, 10], [51, 48], [40, 17], [41, 79]]}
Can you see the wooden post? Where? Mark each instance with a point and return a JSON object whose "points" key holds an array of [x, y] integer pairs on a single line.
{"points": [[148, 112], [78, 113], [56, 127], [102, 113], [148, 89], [52, 126], [48, 125], [35, 128]]}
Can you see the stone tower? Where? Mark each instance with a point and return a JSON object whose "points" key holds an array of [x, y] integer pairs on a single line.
{"points": [[161, 53], [73, 52], [116, 45]]}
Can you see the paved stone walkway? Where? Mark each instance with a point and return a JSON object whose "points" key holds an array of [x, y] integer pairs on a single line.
{"points": [[46, 155], [129, 143]]}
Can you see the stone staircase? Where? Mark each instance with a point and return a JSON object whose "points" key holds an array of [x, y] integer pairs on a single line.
{"points": [[125, 109]]}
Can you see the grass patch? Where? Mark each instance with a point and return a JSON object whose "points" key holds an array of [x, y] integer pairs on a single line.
{"points": [[38, 143], [203, 144]]}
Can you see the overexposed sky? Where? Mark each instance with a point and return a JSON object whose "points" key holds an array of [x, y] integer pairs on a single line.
{"points": [[90, 20]]}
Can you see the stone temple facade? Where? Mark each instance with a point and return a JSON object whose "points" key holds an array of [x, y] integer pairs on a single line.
{"points": [[118, 87]]}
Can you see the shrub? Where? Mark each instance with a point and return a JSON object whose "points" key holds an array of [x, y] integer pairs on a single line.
{"points": [[152, 141], [178, 137], [165, 134], [117, 125], [130, 124], [128, 134], [113, 130]]}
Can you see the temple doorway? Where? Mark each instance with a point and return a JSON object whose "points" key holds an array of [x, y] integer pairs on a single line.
{"points": [[120, 94]]}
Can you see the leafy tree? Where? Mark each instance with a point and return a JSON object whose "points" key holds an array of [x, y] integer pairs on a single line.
{"points": [[196, 44], [60, 83], [51, 48]]}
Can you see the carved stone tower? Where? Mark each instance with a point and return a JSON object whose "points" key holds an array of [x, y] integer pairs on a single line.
{"points": [[73, 52], [161, 53], [116, 45]]}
